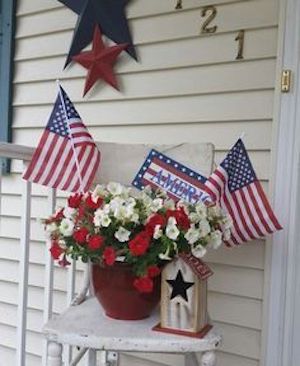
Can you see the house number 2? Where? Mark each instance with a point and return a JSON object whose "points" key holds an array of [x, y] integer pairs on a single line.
{"points": [[210, 12]]}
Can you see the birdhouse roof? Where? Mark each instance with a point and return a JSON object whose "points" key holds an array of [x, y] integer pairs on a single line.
{"points": [[200, 268]]}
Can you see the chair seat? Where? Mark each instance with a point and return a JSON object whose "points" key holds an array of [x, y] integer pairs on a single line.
{"points": [[86, 325]]}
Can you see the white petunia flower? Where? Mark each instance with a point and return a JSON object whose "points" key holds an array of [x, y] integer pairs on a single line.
{"points": [[105, 221], [49, 229], [199, 251], [122, 234], [214, 211], [135, 218], [201, 210], [62, 244], [115, 188], [98, 217], [99, 191], [69, 212], [194, 217], [172, 231], [215, 240], [165, 256], [66, 227], [204, 228], [169, 205], [192, 235], [157, 204], [157, 232], [227, 222], [227, 235]]}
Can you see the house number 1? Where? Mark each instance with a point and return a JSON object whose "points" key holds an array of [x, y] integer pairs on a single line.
{"points": [[240, 39]]}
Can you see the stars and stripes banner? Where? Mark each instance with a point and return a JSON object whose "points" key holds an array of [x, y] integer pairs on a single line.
{"points": [[235, 186], [177, 180], [66, 157]]}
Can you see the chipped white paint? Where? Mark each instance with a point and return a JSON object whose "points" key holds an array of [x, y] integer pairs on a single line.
{"points": [[86, 325]]}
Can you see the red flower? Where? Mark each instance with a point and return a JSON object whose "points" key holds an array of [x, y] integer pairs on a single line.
{"points": [[75, 200], [56, 250], [64, 262], [92, 204], [181, 218], [59, 215], [153, 271], [139, 245], [109, 256], [153, 221], [80, 235], [143, 284], [95, 242]]}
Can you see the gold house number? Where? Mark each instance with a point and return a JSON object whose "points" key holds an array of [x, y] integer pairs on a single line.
{"points": [[211, 11]]}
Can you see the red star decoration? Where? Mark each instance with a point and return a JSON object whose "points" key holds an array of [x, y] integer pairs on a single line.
{"points": [[99, 62]]}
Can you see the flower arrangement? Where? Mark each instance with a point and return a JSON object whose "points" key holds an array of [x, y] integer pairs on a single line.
{"points": [[144, 229]]}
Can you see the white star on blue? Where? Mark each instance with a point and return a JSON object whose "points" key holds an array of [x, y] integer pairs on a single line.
{"points": [[238, 167]]}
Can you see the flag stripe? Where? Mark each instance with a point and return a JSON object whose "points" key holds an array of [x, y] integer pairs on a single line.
{"points": [[249, 213], [258, 210], [53, 161], [49, 146], [64, 169], [266, 204]]}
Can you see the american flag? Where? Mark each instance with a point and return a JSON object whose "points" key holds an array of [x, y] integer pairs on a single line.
{"points": [[235, 186], [66, 157]]}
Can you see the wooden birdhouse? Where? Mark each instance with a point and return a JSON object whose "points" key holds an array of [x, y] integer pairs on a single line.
{"points": [[184, 297]]}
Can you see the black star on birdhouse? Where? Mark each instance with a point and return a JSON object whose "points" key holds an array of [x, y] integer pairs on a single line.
{"points": [[179, 286]]}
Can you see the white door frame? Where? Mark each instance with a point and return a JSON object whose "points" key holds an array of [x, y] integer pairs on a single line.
{"points": [[283, 310]]}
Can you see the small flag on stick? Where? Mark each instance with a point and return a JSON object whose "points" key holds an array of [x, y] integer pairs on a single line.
{"points": [[67, 157], [235, 186]]}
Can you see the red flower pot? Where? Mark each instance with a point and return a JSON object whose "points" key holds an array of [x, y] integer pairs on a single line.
{"points": [[113, 287]]}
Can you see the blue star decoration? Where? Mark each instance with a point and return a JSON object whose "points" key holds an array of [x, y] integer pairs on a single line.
{"points": [[109, 15], [179, 286]]}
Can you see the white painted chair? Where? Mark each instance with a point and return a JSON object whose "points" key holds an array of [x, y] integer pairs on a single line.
{"points": [[83, 324]]}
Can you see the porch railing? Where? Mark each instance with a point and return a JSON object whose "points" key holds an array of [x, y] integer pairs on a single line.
{"points": [[24, 154]]}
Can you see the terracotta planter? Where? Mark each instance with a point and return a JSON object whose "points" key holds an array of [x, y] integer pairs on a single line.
{"points": [[113, 286]]}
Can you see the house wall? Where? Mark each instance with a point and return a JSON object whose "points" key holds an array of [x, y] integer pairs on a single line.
{"points": [[186, 87]]}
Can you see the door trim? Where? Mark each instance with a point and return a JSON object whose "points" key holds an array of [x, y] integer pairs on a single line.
{"points": [[280, 310]]}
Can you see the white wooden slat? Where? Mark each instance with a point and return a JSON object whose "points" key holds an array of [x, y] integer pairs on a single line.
{"points": [[227, 359], [49, 272], [232, 309], [241, 341], [137, 8], [220, 107], [223, 359], [35, 296], [239, 15], [196, 132], [8, 357], [23, 273], [162, 55], [236, 281], [188, 81]]}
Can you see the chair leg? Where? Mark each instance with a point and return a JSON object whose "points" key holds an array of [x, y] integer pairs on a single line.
{"points": [[190, 359], [54, 354], [208, 359]]}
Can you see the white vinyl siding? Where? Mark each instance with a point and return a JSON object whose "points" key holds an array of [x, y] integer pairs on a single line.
{"points": [[186, 88]]}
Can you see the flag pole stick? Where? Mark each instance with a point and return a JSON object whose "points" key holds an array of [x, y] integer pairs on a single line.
{"points": [[71, 140]]}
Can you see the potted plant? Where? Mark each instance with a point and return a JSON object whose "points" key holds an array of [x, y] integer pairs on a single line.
{"points": [[128, 236]]}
